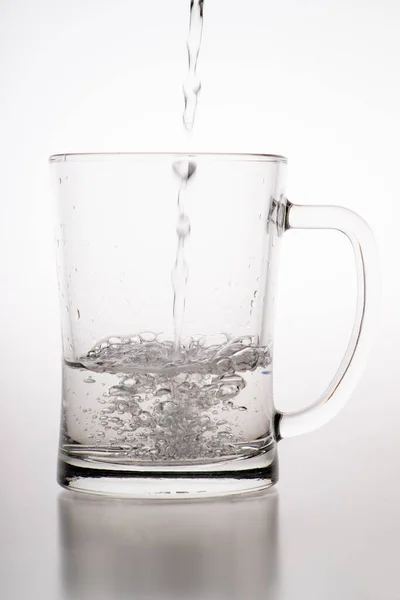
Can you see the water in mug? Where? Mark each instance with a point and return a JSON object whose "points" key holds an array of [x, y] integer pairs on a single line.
{"points": [[148, 397], [135, 399]]}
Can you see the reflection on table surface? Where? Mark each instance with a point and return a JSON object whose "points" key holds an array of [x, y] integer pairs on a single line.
{"points": [[216, 549]]}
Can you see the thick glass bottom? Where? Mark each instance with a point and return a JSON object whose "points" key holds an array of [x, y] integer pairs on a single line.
{"points": [[184, 481]]}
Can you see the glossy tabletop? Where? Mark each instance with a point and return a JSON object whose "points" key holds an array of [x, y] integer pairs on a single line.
{"points": [[328, 530]]}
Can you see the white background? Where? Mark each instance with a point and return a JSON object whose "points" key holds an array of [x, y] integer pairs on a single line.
{"points": [[315, 81]]}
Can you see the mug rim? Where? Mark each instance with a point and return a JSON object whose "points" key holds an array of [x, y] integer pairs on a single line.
{"points": [[109, 156]]}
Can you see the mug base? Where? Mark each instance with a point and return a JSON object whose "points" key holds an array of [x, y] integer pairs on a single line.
{"points": [[194, 481]]}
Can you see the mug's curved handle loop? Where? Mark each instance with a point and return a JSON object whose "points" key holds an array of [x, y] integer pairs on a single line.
{"points": [[342, 385]]}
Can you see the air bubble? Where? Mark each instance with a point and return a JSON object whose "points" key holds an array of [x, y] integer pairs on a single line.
{"points": [[147, 336], [246, 359], [167, 407], [145, 418], [134, 409], [129, 383]]}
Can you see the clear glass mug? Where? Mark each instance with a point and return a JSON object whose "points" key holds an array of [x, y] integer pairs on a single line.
{"points": [[167, 267]]}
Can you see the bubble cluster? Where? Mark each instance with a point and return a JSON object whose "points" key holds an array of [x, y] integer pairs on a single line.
{"points": [[214, 354]]}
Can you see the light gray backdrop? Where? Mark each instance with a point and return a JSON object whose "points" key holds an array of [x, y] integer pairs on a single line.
{"points": [[315, 81]]}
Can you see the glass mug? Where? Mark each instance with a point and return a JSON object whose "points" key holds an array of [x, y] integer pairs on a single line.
{"points": [[167, 267]]}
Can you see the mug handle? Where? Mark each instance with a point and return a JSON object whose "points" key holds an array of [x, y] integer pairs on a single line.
{"points": [[343, 383]]}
